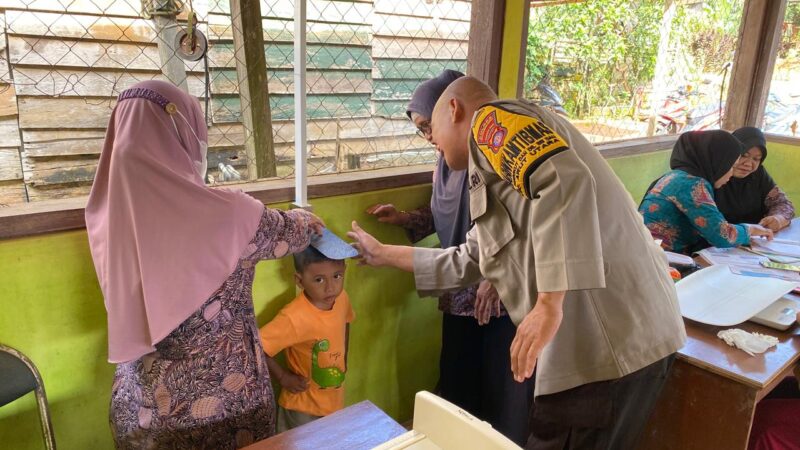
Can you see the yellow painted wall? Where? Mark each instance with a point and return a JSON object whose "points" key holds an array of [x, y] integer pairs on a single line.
{"points": [[510, 60]]}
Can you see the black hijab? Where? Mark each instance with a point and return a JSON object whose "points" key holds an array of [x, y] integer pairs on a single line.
{"points": [[742, 199], [450, 199], [706, 154]]}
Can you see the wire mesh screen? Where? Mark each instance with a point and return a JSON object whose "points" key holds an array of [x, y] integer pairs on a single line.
{"points": [[365, 59], [782, 112], [624, 69], [62, 66], [63, 63]]}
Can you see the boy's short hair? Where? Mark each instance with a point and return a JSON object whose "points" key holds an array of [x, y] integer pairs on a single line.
{"points": [[310, 256]]}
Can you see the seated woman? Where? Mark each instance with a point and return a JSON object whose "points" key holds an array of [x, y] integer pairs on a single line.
{"points": [[752, 196], [679, 208]]}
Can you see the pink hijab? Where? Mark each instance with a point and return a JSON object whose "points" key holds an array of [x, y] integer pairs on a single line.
{"points": [[162, 242]]}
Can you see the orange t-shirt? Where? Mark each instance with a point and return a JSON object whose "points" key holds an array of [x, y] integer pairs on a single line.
{"points": [[314, 341]]}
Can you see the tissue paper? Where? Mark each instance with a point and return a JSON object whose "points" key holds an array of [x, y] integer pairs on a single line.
{"points": [[751, 343]]}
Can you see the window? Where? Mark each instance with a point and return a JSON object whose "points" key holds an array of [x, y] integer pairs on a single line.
{"points": [[65, 63], [624, 69], [783, 104]]}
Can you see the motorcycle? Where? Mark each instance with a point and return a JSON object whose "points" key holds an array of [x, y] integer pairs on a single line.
{"points": [[549, 98], [673, 115]]}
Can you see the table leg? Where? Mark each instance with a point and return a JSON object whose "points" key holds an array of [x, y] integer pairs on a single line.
{"points": [[700, 410]]}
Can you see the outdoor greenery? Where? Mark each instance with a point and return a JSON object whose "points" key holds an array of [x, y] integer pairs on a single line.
{"points": [[791, 41], [601, 55]]}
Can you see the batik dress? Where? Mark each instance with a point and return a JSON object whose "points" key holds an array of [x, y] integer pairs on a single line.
{"points": [[207, 385], [680, 211]]}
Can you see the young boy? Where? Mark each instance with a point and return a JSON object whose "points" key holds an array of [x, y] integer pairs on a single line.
{"points": [[314, 330]]}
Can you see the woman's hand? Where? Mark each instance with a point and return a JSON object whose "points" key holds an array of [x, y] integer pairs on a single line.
{"points": [[370, 250], [774, 223], [293, 382], [487, 301], [314, 223], [388, 214], [758, 230], [535, 331]]}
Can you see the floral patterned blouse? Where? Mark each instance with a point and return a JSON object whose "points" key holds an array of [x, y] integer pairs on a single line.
{"points": [[777, 204], [680, 210], [207, 385]]}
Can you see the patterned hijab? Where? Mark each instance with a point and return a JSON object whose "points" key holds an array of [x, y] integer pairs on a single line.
{"points": [[741, 200], [450, 199], [161, 240]]}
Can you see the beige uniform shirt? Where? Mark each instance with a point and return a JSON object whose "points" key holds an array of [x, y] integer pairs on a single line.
{"points": [[550, 215]]}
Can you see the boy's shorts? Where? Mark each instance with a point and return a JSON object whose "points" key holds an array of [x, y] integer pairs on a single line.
{"points": [[289, 418]]}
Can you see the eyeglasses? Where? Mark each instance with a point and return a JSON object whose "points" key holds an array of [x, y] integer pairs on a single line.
{"points": [[424, 130], [756, 159]]}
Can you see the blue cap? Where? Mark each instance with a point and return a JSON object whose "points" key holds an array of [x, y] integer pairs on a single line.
{"points": [[332, 246]]}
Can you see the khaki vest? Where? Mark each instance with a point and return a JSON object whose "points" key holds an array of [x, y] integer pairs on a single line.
{"points": [[578, 232]]}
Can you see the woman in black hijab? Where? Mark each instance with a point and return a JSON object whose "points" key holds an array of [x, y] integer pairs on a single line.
{"points": [[679, 208], [752, 196]]}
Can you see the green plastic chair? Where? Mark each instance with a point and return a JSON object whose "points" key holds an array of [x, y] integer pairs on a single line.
{"points": [[19, 376]]}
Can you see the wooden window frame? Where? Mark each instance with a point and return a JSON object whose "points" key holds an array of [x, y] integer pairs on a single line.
{"points": [[783, 139], [30, 219], [753, 65], [751, 73], [485, 47]]}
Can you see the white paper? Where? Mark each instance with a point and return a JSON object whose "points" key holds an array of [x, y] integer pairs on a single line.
{"points": [[677, 258], [743, 262], [753, 271], [731, 256], [777, 247], [717, 296]]}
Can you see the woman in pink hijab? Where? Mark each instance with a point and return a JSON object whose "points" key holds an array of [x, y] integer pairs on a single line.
{"points": [[175, 260]]}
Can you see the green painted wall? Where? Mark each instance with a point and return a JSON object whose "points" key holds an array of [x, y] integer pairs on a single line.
{"points": [[783, 164], [638, 171], [53, 311]]}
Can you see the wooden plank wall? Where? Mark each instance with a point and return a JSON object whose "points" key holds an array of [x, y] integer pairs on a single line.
{"points": [[68, 64], [12, 187], [412, 42], [63, 67]]}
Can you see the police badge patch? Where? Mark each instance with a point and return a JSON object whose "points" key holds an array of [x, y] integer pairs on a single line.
{"points": [[490, 133], [515, 144]]}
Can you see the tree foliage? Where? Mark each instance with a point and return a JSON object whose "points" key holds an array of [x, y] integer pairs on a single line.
{"points": [[601, 53]]}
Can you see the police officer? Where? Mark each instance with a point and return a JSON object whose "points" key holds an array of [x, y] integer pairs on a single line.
{"points": [[560, 238]]}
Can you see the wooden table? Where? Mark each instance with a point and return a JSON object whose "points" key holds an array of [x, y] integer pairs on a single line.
{"points": [[360, 426], [711, 395]]}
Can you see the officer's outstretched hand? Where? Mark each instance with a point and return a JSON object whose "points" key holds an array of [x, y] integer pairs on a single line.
{"points": [[537, 329], [368, 247], [372, 252]]}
